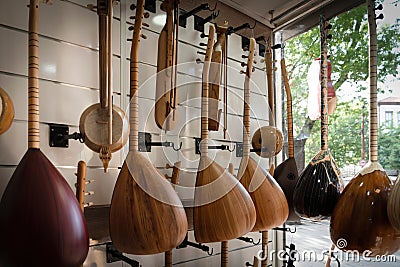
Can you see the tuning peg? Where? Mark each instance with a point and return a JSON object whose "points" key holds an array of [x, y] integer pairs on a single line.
{"points": [[380, 16], [246, 48], [203, 44], [143, 36], [203, 35], [146, 15], [242, 72], [91, 6], [145, 24], [129, 39], [168, 166], [88, 204], [379, 7], [89, 181], [132, 17], [243, 64], [167, 176], [132, 7], [201, 53], [262, 60], [244, 56], [131, 28], [198, 61], [89, 193], [253, 69], [255, 61]]}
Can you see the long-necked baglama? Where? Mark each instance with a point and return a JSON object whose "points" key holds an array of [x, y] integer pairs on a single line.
{"points": [[216, 189], [360, 216], [268, 198], [146, 214], [318, 188], [38, 206]]}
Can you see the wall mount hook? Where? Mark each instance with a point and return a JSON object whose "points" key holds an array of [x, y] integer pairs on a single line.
{"points": [[145, 143], [114, 255], [59, 135], [286, 229], [249, 240], [186, 242], [199, 22], [183, 17], [219, 147]]}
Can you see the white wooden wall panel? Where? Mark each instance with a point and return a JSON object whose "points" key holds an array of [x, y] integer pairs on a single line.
{"points": [[69, 84]]}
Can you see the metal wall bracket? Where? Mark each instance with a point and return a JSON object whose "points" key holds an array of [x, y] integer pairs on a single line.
{"points": [[239, 149], [59, 135], [199, 22], [204, 248], [220, 147], [114, 255], [145, 143], [185, 15], [245, 43]]}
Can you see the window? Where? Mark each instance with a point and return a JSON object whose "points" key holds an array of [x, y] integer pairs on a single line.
{"points": [[389, 118]]}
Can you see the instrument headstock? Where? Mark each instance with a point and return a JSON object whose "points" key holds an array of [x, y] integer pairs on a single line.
{"points": [[102, 7], [250, 58], [210, 43]]}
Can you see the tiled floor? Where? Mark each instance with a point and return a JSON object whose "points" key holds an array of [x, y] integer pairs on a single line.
{"points": [[314, 236]]}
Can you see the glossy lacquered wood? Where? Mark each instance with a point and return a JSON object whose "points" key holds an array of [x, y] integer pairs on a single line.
{"points": [[393, 206], [6, 111], [268, 141], [360, 216]]}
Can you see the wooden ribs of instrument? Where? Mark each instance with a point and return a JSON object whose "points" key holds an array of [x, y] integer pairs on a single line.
{"points": [[393, 206]]}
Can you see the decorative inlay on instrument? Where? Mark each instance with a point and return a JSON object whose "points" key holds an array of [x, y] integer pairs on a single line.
{"points": [[216, 189], [360, 216], [286, 174], [318, 188], [261, 186], [146, 214], [104, 126], [165, 112], [268, 140], [6, 111], [38, 211]]}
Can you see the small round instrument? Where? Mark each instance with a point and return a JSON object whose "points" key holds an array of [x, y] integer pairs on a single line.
{"points": [[267, 141]]}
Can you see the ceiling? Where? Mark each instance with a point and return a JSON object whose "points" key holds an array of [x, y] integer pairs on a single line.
{"points": [[292, 17]]}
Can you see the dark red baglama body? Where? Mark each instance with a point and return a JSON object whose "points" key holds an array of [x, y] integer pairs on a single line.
{"points": [[41, 223]]}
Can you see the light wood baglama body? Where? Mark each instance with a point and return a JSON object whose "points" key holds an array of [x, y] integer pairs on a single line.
{"points": [[6, 112], [268, 198], [286, 173], [166, 93], [38, 206], [223, 209], [364, 200], [146, 214]]}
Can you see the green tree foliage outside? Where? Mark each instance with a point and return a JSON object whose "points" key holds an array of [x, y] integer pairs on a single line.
{"points": [[348, 49]]}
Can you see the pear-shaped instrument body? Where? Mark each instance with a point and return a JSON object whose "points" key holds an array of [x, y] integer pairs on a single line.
{"points": [[41, 223], [286, 174], [223, 209], [146, 216], [360, 216], [318, 188], [393, 207], [269, 200]]}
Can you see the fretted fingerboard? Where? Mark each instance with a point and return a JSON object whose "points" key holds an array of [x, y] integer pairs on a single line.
{"points": [[289, 109], [373, 54], [324, 83], [33, 77], [246, 118]]}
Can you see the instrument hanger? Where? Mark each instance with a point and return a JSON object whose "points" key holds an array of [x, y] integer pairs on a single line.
{"points": [[104, 126], [364, 200], [320, 184], [6, 111], [217, 189], [286, 173], [38, 206], [166, 92], [261, 186], [141, 194]]}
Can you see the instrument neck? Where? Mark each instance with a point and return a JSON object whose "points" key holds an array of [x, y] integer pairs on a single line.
{"points": [[289, 109], [373, 70], [324, 84], [270, 84], [246, 117], [33, 74], [204, 111]]}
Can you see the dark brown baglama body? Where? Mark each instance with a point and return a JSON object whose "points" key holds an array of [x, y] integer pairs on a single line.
{"points": [[41, 223], [360, 216], [393, 206], [318, 188], [286, 175]]}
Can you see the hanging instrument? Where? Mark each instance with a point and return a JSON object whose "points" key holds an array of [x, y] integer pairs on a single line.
{"points": [[360, 216], [268, 140], [286, 173], [218, 62], [261, 186], [146, 214], [216, 189], [165, 112], [104, 126], [393, 207], [38, 206], [6, 111], [320, 184]]}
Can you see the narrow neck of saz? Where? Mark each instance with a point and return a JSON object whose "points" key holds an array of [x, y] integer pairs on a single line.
{"points": [[289, 109], [324, 83], [373, 73]]}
